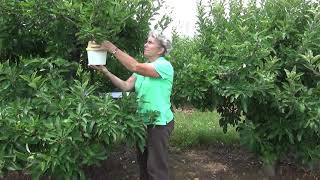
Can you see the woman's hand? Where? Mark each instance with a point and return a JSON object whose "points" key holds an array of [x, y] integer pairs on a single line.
{"points": [[93, 45], [99, 68], [108, 46], [104, 46]]}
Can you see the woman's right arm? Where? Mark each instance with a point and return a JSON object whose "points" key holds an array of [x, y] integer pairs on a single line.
{"points": [[123, 85]]}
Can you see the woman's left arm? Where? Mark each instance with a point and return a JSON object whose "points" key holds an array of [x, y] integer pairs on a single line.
{"points": [[145, 69]]}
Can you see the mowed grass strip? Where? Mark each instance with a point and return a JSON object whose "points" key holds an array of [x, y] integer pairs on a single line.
{"points": [[200, 129]]}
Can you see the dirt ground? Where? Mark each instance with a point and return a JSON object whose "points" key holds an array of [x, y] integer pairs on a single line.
{"points": [[218, 162]]}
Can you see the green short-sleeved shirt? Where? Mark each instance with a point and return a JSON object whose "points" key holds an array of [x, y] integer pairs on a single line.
{"points": [[154, 93]]}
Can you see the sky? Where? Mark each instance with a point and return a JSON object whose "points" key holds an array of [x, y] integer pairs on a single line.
{"points": [[183, 16]]}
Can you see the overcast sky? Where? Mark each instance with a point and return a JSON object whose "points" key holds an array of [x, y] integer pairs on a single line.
{"points": [[183, 16]]}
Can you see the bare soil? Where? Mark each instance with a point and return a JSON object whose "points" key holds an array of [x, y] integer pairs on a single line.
{"points": [[218, 162]]}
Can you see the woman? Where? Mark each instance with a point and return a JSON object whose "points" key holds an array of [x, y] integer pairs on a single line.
{"points": [[152, 82]]}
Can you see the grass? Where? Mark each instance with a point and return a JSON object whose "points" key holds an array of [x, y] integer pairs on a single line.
{"points": [[198, 129]]}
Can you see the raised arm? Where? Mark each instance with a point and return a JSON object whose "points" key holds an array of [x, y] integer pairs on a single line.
{"points": [[145, 69]]}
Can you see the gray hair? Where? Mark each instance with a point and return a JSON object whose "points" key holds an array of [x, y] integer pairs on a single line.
{"points": [[163, 41]]}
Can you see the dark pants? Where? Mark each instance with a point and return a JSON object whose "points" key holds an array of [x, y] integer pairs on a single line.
{"points": [[153, 161]]}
